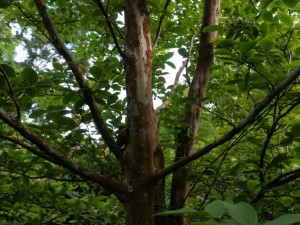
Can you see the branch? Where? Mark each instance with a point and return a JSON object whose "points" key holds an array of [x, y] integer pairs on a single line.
{"points": [[248, 120], [28, 147], [280, 180], [43, 177], [109, 24], [79, 76], [11, 93], [160, 24], [176, 81], [56, 157]]}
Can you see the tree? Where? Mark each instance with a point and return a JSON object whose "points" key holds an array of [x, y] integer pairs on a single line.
{"points": [[235, 115]]}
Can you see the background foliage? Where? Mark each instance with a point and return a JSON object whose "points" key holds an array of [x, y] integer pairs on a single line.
{"points": [[257, 47]]}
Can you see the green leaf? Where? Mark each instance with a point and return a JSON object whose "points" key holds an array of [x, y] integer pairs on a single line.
{"points": [[296, 129], [205, 223], [181, 211], [5, 3], [212, 28], [216, 209], [265, 3], [96, 72], [57, 66], [8, 70], [284, 18], [268, 17], [30, 75], [266, 45], [287, 219], [242, 213], [246, 46], [66, 122], [290, 3], [297, 51]]}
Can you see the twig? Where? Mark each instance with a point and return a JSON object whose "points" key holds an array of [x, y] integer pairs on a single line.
{"points": [[79, 76], [178, 74], [176, 81], [160, 24], [35, 24], [42, 177], [109, 24], [11, 93], [26, 146], [56, 157], [248, 120]]}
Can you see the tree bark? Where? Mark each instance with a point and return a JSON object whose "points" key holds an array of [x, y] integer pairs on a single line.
{"points": [[188, 136], [142, 156]]}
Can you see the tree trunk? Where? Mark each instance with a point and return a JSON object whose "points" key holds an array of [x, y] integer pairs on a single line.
{"points": [[142, 155], [139, 207], [188, 136]]}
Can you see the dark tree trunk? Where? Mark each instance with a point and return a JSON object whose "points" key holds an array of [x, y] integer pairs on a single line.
{"points": [[188, 136]]}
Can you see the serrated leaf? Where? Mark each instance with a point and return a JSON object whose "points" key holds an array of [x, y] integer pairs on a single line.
{"points": [[284, 18], [290, 3], [8, 70], [287, 219], [242, 213], [30, 75]]}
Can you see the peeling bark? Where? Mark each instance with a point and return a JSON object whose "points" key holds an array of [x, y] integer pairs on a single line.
{"points": [[142, 154]]}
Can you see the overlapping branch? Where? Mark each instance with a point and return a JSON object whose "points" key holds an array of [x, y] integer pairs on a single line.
{"points": [[79, 76], [160, 24], [50, 154], [10, 90], [110, 27], [248, 120]]}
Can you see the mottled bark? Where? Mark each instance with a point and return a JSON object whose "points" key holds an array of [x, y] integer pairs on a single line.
{"points": [[142, 150], [187, 136]]}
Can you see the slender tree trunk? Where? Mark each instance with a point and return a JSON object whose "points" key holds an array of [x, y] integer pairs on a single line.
{"points": [[142, 156], [187, 136]]}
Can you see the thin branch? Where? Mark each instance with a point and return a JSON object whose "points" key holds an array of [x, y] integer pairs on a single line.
{"points": [[57, 158], [176, 81], [11, 93], [160, 24], [35, 24], [28, 147], [43, 177], [79, 76], [248, 120], [109, 24], [280, 180]]}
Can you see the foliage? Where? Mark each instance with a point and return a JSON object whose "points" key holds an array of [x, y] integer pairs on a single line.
{"points": [[257, 47]]}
